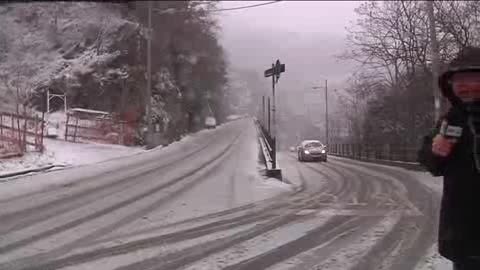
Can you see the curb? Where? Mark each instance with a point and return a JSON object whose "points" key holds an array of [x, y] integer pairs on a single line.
{"points": [[413, 166], [17, 173], [12, 155]]}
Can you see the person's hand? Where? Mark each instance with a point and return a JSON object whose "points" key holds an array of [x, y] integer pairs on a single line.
{"points": [[442, 146]]}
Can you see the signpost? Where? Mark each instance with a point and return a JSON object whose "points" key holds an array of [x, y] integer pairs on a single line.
{"points": [[274, 72]]}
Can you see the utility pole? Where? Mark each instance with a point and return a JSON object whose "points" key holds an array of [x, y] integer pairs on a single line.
{"points": [[263, 110], [269, 117], [149, 79], [435, 60], [273, 132], [326, 110]]}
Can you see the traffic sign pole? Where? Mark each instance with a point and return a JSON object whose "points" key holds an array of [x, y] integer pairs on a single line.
{"points": [[274, 134], [274, 72]]}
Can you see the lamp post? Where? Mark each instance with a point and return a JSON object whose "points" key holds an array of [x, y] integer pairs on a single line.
{"points": [[435, 60], [149, 79]]}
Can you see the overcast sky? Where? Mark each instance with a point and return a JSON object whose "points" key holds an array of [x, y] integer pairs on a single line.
{"points": [[297, 16], [305, 35]]}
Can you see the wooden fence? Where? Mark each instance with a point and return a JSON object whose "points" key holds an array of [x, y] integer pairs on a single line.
{"points": [[99, 130], [18, 132]]}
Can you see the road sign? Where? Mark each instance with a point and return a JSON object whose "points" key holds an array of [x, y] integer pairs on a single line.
{"points": [[279, 69], [275, 70], [269, 72]]}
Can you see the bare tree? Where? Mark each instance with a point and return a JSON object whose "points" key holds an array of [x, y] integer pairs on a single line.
{"points": [[390, 42], [102, 29], [389, 38]]}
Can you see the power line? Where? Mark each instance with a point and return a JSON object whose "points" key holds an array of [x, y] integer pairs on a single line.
{"points": [[245, 7], [172, 10]]}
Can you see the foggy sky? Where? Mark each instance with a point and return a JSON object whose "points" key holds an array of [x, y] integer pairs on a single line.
{"points": [[306, 36], [295, 16]]}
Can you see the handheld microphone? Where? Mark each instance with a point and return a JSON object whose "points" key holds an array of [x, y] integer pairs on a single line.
{"points": [[450, 131]]}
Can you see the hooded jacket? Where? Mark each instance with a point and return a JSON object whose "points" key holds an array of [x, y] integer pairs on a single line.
{"points": [[459, 231]]}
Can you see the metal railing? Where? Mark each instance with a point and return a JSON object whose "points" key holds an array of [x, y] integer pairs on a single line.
{"points": [[269, 144], [372, 152]]}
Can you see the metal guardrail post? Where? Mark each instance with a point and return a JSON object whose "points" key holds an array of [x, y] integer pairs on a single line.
{"points": [[268, 102], [274, 154], [390, 152]]}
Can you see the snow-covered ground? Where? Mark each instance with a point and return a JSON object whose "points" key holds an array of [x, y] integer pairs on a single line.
{"points": [[425, 178], [61, 153], [103, 158], [206, 172], [201, 203], [432, 260], [434, 183]]}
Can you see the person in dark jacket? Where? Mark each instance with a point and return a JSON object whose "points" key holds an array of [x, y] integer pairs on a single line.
{"points": [[452, 150]]}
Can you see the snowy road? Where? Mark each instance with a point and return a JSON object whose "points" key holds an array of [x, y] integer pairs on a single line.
{"points": [[199, 204]]}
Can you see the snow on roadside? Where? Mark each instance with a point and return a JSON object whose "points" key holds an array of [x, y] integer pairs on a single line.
{"points": [[62, 153], [434, 261], [86, 153], [58, 152], [272, 183], [36, 182], [31, 160], [423, 177]]}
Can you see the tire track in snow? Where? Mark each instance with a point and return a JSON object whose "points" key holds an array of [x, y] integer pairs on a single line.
{"points": [[27, 217], [93, 254], [257, 209], [254, 231], [330, 235], [411, 240], [302, 245], [35, 258], [349, 256], [259, 262], [206, 249], [271, 215]]}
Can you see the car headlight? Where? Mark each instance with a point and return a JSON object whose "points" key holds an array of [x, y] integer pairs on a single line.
{"points": [[323, 151], [307, 152]]}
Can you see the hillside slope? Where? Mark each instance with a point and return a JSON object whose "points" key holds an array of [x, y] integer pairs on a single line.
{"points": [[45, 43], [95, 52]]}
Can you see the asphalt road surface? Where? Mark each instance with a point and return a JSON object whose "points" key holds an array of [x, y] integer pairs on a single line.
{"points": [[200, 204]]}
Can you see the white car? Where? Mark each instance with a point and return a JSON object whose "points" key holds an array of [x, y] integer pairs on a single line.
{"points": [[233, 117], [210, 122], [52, 130]]}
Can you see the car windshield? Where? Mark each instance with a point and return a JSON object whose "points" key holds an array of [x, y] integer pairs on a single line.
{"points": [[313, 145]]}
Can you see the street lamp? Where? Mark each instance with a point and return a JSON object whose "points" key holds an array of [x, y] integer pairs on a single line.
{"points": [[326, 108], [149, 79]]}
